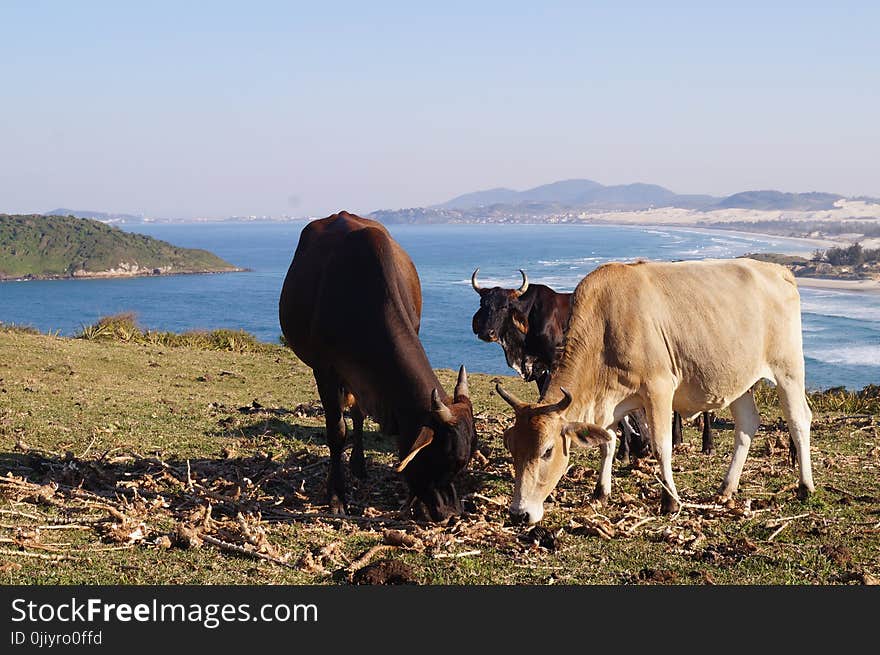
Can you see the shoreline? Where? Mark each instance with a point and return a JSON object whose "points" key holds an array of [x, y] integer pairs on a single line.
{"points": [[868, 286], [857, 286], [818, 243], [811, 241], [113, 276]]}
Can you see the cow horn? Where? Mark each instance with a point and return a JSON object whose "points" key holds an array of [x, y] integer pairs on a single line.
{"points": [[474, 281], [440, 410], [511, 400], [424, 439], [461, 387], [525, 285], [560, 406]]}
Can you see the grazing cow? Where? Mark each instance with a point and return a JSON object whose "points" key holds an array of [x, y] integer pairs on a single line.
{"points": [[748, 328], [530, 323], [350, 309]]}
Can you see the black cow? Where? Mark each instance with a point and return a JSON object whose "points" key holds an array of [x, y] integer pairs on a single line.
{"points": [[350, 309], [530, 323]]}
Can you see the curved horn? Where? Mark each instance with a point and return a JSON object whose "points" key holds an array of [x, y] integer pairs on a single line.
{"points": [[511, 400], [525, 285], [424, 439], [440, 410], [461, 387], [474, 281], [560, 406]]}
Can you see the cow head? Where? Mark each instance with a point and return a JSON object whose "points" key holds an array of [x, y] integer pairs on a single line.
{"points": [[503, 317], [499, 309], [443, 448], [539, 441]]}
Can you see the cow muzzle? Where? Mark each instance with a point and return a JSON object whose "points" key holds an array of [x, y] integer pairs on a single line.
{"points": [[489, 336], [441, 503], [525, 513]]}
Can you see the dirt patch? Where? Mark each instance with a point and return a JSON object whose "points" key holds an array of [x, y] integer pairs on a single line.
{"points": [[385, 572]]}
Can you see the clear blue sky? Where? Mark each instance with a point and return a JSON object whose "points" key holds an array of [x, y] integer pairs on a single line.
{"points": [[212, 109]]}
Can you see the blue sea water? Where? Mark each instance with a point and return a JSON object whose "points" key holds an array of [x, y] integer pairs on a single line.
{"points": [[841, 329]]}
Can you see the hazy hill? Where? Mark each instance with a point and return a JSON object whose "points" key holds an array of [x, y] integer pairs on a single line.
{"points": [[579, 193], [481, 199], [65, 246], [771, 200], [587, 194]]}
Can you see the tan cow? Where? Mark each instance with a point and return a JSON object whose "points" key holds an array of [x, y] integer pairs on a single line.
{"points": [[629, 346]]}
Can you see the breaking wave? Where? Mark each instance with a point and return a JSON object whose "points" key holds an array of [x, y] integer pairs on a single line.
{"points": [[852, 355]]}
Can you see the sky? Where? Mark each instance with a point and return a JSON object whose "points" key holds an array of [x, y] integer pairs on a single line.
{"points": [[215, 109]]}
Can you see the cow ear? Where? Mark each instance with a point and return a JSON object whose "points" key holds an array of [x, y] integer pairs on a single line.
{"points": [[586, 435], [426, 436], [520, 322]]}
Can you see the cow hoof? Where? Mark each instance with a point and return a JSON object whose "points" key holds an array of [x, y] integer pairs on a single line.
{"points": [[337, 506], [722, 498], [669, 505], [600, 496], [708, 451], [803, 492]]}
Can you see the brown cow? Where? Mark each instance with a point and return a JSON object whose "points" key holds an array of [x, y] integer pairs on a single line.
{"points": [[350, 309]]}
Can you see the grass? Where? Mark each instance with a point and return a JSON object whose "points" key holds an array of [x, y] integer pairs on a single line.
{"points": [[124, 328], [122, 451]]}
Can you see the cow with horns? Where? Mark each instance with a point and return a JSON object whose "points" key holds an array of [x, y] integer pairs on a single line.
{"points": [[748, 328], [530, 323], [350, 308]]}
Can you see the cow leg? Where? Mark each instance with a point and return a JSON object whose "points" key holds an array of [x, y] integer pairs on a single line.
{"points": [[603, 486], [792, 397], [676, 429], [745, 423], [708, 441], [658, 409], [357, 462], [626, 438], [332, 394]]}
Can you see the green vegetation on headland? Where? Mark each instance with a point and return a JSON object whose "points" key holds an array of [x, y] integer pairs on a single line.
{"points": [[50, 247], [842, 263], [127, 458]]}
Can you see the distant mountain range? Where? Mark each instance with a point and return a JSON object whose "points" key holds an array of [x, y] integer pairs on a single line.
{"points": [[557, 199], [591, 196]]}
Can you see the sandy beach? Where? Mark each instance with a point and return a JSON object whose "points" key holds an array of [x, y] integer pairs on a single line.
{"points": [[864, 286]]}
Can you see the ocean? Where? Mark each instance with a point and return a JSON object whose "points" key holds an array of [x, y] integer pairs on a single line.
{"points": [[841, 329]]}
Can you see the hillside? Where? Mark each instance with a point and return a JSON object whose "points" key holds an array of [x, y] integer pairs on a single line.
{"points": [[46, 247], [159, 460], [580, 194], [772, 200]]}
